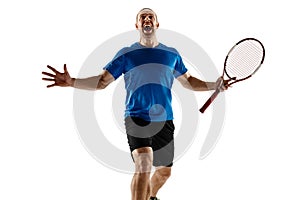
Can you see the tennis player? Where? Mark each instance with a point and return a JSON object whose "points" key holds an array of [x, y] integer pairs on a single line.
{"points": [[149, 69]]}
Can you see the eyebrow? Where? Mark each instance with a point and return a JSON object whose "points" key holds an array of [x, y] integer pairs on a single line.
{"points": [[150, 12], [143, 14]]}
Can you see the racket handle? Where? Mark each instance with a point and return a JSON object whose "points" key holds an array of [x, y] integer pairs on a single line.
{"points": [[209, 101]]}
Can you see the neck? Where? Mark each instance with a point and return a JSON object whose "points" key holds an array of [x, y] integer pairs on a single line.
{"points": [[149, 42]]}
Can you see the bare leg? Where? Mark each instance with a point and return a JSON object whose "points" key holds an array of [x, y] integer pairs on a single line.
{"points": [[140, 185], [159, 178]]}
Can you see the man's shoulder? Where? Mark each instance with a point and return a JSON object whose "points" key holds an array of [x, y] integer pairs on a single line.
{"points": [[129, 48], [124, 51], [168, 48]]}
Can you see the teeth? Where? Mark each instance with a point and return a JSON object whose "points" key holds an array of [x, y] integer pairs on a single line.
{"points": [[147, 28]]}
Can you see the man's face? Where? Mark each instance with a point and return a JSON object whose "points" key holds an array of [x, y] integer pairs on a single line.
{"points": [[147, 22]]}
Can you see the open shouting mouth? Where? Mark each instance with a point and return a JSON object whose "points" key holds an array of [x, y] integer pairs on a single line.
{"points": [[147, 27]]}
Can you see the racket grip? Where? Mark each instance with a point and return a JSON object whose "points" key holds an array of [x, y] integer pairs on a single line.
{"points": [[209, 101]]}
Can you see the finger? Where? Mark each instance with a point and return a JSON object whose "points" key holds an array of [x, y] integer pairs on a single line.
{"points": [[49, 86], [65, 69], [48, 74], [227, 85], [48, 79], [54, 70], [223, 88]]}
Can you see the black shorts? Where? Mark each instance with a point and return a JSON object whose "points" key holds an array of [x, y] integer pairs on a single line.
{"points": [[157, 135]]}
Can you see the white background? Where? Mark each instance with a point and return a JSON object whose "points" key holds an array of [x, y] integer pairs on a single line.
{"points": [[41, 154]]}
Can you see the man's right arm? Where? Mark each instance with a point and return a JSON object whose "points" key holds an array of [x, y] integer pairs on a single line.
{"points": [[65, 80], [93, 83]]}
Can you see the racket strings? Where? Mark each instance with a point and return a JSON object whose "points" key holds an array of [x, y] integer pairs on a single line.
{"points": [[244, 59]]}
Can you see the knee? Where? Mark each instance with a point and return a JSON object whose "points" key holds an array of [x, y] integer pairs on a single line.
{"points": [[165, 173], [143, 165]]}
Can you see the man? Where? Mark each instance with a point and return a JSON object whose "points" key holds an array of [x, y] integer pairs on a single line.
{"points": [[149, 69]]}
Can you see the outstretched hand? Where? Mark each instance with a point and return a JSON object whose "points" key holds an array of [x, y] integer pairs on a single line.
{"points": [[60, 79]]}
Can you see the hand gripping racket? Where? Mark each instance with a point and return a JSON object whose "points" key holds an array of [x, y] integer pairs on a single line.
{"points": [[241, 62]]}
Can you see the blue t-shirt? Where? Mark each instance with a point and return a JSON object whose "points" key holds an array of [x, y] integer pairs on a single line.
{"points": [[149, 74]]}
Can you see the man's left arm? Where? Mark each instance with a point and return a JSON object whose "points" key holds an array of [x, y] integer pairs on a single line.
{"points": [[190, 82]]}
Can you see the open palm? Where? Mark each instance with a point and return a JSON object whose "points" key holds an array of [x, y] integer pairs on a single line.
{"points": [[60, 79]]}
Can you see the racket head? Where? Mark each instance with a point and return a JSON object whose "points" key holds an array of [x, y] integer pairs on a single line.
{"points": [[244, 59]]}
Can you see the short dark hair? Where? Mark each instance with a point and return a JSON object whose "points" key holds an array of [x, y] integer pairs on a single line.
{"points": [[145, 9]]}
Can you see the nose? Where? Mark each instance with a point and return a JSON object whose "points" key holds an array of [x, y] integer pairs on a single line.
{"points": [[147, 18]]}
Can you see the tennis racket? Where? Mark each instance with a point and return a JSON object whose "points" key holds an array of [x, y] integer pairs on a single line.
{"points": [[242, 61]]}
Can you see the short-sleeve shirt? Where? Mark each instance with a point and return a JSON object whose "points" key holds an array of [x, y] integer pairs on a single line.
{"points": [[148, 74]]}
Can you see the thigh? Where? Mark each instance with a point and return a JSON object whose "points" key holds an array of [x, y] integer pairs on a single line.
{"points": [[143, 158], [163, 146], [137, 136]]}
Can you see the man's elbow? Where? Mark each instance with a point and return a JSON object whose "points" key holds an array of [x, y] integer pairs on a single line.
{"points": [[102, 85]]}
